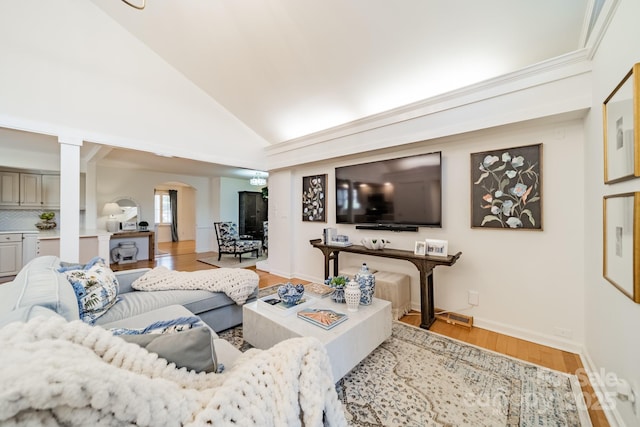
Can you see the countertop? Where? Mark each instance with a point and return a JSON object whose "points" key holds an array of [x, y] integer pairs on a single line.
{"points": [[55, 234]]}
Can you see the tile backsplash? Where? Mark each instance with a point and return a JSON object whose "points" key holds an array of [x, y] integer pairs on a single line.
{"points": [[18, 219]]}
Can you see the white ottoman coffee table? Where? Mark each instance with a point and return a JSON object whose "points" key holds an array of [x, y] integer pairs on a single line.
{"points": [[347, 343]]}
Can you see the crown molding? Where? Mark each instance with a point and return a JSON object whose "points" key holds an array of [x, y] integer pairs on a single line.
{"points": [[562, 67]]}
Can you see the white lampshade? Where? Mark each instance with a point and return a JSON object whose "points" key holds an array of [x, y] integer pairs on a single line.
{"points": [[112, 209]]}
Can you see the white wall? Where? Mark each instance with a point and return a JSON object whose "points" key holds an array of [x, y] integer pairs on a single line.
{"points": [[530, 282], [13, 154], [139, 185], [225, 203], [68, 69], [611, 319]]}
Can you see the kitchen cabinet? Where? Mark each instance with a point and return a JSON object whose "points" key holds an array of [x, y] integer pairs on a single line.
{"points": [[29, 247], [42, 191], [30, 190], [9, 188], [50, 191], [10, 254], [27, 189]]}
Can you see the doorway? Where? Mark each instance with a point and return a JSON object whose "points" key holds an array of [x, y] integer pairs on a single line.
{"points": [[166, 241]]}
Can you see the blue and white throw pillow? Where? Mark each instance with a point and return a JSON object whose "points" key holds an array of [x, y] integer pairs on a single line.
{"points": [[162, 327], [95, 286]]}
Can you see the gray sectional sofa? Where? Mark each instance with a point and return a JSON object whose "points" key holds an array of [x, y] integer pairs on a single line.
{"points": [[39, 289], [215, 308]]}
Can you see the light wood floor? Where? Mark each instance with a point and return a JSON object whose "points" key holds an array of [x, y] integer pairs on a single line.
{"points": [[182, 256]]}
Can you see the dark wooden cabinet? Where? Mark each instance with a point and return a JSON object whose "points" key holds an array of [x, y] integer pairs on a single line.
{"points": [[252, 212]]}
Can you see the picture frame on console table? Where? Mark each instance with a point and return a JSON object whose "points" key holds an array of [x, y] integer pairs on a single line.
{"points": [[621, 243], [436, 247], [506, 188], [621, 118], [314, 198], [420, 248]]}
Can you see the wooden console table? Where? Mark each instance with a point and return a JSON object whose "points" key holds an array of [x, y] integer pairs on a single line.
{"points": [[149, 234], [424, 264]]}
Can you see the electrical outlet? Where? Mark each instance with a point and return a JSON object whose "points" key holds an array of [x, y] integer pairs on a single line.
{"points": [[474, 297], [562, 332]]}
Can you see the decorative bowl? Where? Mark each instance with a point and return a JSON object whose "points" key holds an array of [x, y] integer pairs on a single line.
{"points": [[290, 294], [374, 243], [46, 225]]}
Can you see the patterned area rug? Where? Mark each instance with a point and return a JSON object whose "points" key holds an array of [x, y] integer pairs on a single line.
{"points": [[229, 261], [418, 378]]}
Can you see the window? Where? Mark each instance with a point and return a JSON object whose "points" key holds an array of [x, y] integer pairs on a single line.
{"points": [[162, 207]]}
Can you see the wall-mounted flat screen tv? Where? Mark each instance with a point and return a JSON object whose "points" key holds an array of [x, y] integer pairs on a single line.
{"points": [[402, 191]]}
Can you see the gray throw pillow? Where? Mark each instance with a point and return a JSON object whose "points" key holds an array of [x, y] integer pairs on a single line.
{"points": [[192, 349]]}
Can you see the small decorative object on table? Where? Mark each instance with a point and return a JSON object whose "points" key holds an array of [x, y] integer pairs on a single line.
{"points": [[352, 295], [367, 282], [143, 225], [290, 294], [373, 243], [341, 240], [274, 304], [437, 247], [338, 283], [47, 222]]}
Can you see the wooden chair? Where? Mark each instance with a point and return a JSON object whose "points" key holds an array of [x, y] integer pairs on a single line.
{"points": [[229, 241]]}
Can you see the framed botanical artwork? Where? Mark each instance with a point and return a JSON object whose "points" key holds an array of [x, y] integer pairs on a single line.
{"points": [[437, 247], [621, 116], [313, 198], [420, 248], [506, 188], [621, 243]]}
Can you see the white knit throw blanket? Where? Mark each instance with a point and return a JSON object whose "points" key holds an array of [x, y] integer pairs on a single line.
{"points": [[236, 283], [57, 372]]}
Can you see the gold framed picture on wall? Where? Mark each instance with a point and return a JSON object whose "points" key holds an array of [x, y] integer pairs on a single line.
{"points": [[621, 243], [621, 118]]}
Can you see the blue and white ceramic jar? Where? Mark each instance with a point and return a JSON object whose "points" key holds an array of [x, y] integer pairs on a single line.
{"points": [[338, 295], [367, 282]]}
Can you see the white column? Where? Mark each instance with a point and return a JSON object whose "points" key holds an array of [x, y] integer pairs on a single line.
{"points": [[70, 198], [91, 205]]}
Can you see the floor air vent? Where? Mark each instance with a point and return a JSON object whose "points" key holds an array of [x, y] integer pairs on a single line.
{"points": [[455, 318]]}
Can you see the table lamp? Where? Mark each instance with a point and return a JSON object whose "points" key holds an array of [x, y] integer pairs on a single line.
{"points": [[112, 209]]}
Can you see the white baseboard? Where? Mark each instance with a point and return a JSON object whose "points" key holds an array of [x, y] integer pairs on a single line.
{"points": [[528, 335], [263, 265], [524, 334], [610, 411], [280, 273]]}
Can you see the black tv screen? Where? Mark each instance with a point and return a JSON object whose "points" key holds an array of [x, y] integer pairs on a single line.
{"points": [[403, 191]]}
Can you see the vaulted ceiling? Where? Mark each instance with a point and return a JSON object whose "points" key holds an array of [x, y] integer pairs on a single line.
{"points": [[288, 68]]}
